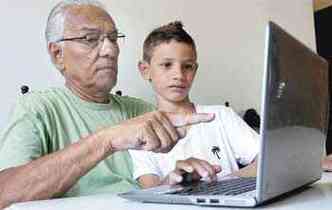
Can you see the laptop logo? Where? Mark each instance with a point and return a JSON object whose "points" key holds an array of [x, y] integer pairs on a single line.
{"points": [[216, 151]]}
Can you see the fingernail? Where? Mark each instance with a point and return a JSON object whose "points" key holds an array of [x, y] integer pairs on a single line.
{"points": [[205, 174], [209, 116], [217, 168], [178, 178], [189, 169]]}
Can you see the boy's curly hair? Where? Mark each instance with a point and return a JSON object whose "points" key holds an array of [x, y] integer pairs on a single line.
{"points": [[165, 34]]}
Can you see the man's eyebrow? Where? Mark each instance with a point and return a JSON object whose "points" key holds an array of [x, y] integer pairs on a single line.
{"points": [[86, 29], [89, 29]]}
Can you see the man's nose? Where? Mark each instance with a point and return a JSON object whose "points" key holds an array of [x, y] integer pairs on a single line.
{"points": [[109, 48]]}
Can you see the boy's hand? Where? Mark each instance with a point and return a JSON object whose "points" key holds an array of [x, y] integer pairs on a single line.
{"points": [[196, 167], [155, 131]]}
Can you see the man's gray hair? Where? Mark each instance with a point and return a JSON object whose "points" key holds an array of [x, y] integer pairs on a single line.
{"points": [[56, 19]]}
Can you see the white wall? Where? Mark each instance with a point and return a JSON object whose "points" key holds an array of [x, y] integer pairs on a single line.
{"points": [[296, 16], [229, 35]]}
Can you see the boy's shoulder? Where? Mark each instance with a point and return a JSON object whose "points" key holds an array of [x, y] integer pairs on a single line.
{"points": [[220, 111], [213, 109], [132, 101]]}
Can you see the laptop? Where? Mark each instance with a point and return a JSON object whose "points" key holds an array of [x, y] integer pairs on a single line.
{"points": [[294, 114]]}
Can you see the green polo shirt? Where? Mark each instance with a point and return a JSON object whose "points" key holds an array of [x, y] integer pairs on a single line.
{"points": [[46, 121]]}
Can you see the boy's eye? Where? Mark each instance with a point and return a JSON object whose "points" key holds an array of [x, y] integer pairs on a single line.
{"points": [[166, 65], [189, 66]]}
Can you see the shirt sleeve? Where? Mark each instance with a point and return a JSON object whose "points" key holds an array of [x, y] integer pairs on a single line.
{"points": [[144, 163], [20, 140], [243, 139]]}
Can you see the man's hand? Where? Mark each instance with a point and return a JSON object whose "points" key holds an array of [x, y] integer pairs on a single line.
{"points": [[155, 131], [196, 168]]}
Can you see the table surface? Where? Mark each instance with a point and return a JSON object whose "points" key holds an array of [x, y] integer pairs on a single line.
{"points": [[317, 196]]}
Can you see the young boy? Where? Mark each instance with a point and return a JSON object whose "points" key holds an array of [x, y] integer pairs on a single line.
{"points": [[170, 65]]}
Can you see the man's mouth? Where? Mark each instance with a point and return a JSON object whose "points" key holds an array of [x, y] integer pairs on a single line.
{"points": [[106, 68]]}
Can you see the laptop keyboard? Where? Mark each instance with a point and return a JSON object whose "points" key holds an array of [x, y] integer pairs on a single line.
{"points": [[224, 187]]}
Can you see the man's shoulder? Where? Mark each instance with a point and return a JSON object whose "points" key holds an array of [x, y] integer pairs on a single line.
{"points": [[44, 93], [39, 99]]}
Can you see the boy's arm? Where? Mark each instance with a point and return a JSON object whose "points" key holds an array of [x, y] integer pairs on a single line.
{"points": [[248, 171], [150, 180], [196, 167], [244, 140], [146, 168]]}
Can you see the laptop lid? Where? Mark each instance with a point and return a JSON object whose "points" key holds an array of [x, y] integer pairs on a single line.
{"points": [[294, 115]]}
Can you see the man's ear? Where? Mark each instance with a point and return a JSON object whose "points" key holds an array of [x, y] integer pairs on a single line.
{"points": [[144, 69], [56, 52]]}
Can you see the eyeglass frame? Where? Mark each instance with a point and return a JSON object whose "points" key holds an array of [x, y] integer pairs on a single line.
{"points": [[101, 38]]}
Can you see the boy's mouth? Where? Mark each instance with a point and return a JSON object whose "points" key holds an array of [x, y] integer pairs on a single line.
{"points": [[177, 86]]}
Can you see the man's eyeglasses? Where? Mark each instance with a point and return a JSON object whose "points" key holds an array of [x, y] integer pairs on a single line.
{"points": [[92, 40]]}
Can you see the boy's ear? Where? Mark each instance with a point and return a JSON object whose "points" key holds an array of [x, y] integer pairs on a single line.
{"points": [[144, 69], [56, 52], [197, 65]]}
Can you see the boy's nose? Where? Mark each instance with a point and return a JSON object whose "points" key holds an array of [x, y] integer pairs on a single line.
{"points": [[178, 72]]}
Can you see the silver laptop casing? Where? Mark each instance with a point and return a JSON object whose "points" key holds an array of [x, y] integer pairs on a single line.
{"points": [[295, 115]]}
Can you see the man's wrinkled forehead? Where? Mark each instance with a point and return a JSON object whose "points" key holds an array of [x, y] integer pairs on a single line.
{"points": [[87, 16]]}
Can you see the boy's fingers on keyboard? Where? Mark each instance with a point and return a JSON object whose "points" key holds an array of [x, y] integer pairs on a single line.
{"points": [[184, 165], [187, 177], [173, 178], [217, 168], [208, 167]]}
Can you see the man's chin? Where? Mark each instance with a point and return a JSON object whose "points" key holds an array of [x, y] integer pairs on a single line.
{"points": [[107, 86]]}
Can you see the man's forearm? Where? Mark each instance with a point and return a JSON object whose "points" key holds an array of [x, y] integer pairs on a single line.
{"points": [[51, 175]]}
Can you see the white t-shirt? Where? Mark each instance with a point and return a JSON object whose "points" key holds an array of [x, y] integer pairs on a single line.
{"points": [[228, 133]]}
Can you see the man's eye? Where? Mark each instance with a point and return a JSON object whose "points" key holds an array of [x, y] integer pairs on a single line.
{"points": [[113, 37], [91, 38]]}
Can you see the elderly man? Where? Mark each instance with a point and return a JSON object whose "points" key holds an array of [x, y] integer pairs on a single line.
{"points": [[72, 141]]}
